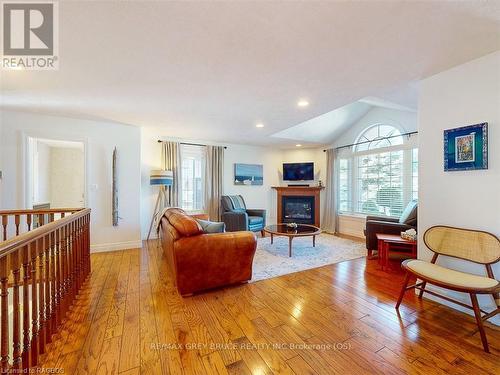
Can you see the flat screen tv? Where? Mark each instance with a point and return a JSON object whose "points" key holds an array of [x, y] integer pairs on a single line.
{"points": [[298, 171]]}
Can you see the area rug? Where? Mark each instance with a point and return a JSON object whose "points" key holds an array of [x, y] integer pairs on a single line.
{"points": [[272, 260]]}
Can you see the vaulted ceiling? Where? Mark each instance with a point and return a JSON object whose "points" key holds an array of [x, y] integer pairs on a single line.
{"points": [[213, 70]]}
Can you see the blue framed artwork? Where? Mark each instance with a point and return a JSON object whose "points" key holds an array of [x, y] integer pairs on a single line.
{"points": [[248, 174], [466, 148]]}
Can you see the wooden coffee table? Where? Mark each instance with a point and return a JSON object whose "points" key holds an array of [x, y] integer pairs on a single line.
{"points": [[395, 244], [302, 230]]}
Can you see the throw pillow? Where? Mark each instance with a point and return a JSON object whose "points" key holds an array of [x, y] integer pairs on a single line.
{"points": [[211, 226], [409, 215]]}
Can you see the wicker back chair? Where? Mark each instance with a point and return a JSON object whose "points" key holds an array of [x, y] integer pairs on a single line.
{"points": [[470, 245]]}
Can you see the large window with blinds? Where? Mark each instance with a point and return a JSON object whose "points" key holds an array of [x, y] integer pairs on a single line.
{"points": [[378, 176], [192, 177]]}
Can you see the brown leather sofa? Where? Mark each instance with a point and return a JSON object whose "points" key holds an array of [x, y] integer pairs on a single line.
{"points": [[200, 261]]}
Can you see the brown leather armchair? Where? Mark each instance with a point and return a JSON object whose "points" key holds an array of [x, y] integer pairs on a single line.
{"points": [[200, 261], [388, 225]]}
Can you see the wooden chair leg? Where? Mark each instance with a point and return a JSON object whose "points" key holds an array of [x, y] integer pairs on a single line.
{"points": [[403, 290], [262, 234], [421, 292], [479, 320]]}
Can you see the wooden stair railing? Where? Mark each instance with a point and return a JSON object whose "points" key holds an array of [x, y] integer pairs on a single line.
{"points": [[24, 220], [44, 268]]}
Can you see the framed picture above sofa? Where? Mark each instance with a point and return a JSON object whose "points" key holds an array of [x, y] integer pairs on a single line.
{"points": [[248, 174], [466, 148]]}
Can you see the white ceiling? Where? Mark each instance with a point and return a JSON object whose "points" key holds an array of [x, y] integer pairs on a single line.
{"points": [[326, 127], [213, 70]]}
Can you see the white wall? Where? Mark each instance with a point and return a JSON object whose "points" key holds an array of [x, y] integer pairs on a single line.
{"points": [[67, 177], [465, 95], [100, 137], [41, 173]]}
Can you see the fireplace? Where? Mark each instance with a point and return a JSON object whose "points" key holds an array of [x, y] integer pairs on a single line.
{"points": [[298, 209], [298, 204]]}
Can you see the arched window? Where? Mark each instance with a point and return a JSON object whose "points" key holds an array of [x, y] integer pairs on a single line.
{"points": [[378, 175], [378, 136]]}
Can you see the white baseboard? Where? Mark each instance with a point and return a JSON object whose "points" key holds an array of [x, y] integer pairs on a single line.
{"points": [[99, 248]]}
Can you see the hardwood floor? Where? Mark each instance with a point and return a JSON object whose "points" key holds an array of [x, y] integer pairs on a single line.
{"points": [[337, 319]]}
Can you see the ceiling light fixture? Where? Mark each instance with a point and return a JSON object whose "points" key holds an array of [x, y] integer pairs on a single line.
{"points": [[259, 125], [298, 145], [302, 103]]}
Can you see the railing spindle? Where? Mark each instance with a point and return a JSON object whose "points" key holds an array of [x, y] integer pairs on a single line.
{"points": [[17, 221], [16, 329], [29, 221], [26, 304], [5, 222], [35, 248], [64, 263], [41, 293], [4, 314], [49, 307], [50, 262]]}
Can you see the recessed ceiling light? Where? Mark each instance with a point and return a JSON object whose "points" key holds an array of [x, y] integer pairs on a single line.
{"points": [[302, 103], [259, 125], [298, 145]]}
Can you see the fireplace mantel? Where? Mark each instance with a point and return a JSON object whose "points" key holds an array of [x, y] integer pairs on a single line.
{"points": [[307, 191], [300, 189]]}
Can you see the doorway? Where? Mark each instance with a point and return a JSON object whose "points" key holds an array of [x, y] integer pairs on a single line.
{"points": [[55, 173]]}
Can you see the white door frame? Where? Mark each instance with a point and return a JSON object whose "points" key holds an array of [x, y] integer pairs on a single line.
{"points": [[27, 159]]}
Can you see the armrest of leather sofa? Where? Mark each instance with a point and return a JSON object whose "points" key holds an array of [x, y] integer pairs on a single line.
{"points": [[211, 260], [235, 220]]}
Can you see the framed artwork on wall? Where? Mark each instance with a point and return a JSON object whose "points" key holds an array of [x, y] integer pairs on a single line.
{"points": [[466, 148], [248, 174]]}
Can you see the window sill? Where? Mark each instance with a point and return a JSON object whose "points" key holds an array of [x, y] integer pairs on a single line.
{"points": [[353, 216], [363, 217]]}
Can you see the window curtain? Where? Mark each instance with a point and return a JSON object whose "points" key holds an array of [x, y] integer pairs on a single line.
{"points": [[213, 181], [171, 161], [330, 219]]}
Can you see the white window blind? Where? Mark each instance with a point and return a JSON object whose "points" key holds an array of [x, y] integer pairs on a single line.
{"points": [[380, 176], [192, 177]]}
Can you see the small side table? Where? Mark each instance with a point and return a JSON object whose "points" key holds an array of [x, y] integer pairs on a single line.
{"points": [[395, 244]]}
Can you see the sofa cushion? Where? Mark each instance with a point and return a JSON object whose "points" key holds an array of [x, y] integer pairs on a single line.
{"points": [[254, 220], [448, 276], [409, 215], [211, 226], [184, 224]]}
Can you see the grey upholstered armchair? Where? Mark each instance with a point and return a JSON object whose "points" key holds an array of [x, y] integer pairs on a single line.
{"points": [[237, 217]]}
